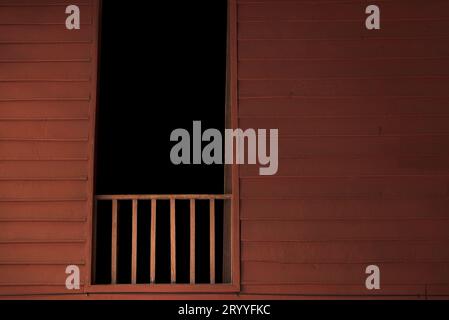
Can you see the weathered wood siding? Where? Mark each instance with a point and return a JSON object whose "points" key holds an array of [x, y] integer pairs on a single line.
{"points": [[47, 102], [364, 139], [363, 118]]}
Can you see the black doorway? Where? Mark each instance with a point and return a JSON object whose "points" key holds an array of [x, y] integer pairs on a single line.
{"points": [[162, 66]]}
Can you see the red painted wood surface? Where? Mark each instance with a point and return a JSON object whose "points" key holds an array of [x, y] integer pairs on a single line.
{"points": [[364, 133], [47, 104], [363, 121]]}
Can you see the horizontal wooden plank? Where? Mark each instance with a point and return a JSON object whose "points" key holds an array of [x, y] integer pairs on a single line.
{"points": [[346, 252], [44, 109], [32, 90], [357, 166], [42, 189], [344, 87], [438, 289], [344, 10], [63, 129], [37, 275], [344, 187], [342, 49], [362, 146], [43, 149], [351, 126], [164, 197], [391, 274], [41, 3], [38, 291], [43, 169], [35, 70], [28, 33], [343, 209], [319, 291], [344, 230], [49, 51], [332, 107], [63, 210], [21, 231], [342, 29], [42, 253], [41, 14], [291, 69], [184, 289]]}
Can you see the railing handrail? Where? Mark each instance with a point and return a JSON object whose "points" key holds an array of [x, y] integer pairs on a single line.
{"points": [[116, 199], [164, 197]]}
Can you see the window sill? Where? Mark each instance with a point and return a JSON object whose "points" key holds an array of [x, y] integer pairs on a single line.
{"points": [[163, 288]]}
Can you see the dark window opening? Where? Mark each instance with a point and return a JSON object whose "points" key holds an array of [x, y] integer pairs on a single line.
{"points": [[162, 66]]}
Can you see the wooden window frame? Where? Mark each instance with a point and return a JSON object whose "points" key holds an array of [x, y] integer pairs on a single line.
{"points": [[232, 178]]}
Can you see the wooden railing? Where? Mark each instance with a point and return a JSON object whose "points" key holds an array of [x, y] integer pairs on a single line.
{"points": [[172, 199]]}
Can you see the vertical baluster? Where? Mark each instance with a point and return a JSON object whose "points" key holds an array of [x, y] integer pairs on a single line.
{"points": [[173, 240], [153, 242], [134, 244], [192, 241], [114, 242], [212, 240], [227, 207]]}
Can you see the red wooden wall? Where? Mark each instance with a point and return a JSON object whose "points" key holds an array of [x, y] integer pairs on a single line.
{"points": [[363, 118], [47, 101], [364, 138]]}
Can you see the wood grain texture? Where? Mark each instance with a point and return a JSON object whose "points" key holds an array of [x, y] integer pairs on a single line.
{"points": [[153, 241], [363, 176], [173, 240], [212, 240], [192, 241], [114, 239], [363, 139], [47, 105], [134, 243]]}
